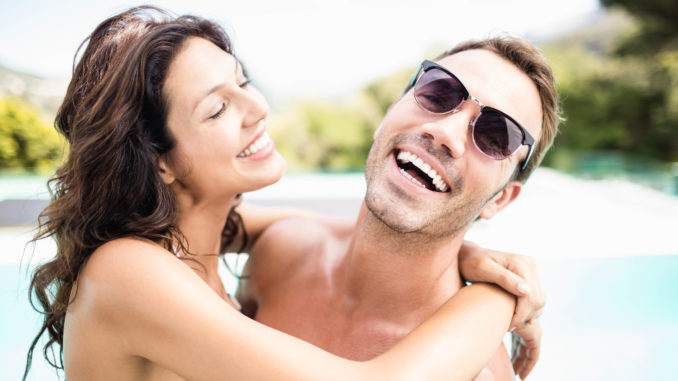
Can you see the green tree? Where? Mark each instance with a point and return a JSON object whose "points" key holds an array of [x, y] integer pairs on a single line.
{"points": [[618, 82], [26, 141], [317, 135], [337, 137], [383, 91], [613, 100], [657, 29]]}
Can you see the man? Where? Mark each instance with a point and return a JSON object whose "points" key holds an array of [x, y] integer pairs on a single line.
{"points": [[456, 146]]}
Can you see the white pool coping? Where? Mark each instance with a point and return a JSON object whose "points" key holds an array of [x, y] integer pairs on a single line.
{"points": [[556, 216]]}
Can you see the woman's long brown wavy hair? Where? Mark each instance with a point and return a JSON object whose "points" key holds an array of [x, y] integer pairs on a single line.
{"points": [[114, 118]]}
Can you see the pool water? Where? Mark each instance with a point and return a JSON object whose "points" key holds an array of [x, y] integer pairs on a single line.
{"points": [[19, 323], [606, 252], [610, 319], [606, 319]]}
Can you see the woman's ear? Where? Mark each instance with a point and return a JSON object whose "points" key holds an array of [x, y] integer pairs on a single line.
{"points": [[501, 200], [166, 173]]}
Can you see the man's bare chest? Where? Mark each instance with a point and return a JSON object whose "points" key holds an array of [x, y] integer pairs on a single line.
{"points": [[315, 317]]}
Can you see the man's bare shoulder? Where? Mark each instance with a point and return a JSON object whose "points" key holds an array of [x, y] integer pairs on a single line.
{"points": [[297, 234], [291, 245]]}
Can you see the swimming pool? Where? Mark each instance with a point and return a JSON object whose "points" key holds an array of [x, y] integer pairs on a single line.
{"points": [[606, 252], [606, 319]]}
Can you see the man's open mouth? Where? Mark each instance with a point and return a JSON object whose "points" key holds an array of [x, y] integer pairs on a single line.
{"points": [[419, 172]]}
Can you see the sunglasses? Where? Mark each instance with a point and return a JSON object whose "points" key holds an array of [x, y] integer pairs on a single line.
{"points": [[495, 134]]}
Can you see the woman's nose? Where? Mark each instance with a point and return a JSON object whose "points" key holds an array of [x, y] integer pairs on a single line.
{"points": [[255, 105]]}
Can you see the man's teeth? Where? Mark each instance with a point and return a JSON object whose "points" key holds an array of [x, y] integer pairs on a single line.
{"points": [[412, 178], [263, 141], [436, 179]]}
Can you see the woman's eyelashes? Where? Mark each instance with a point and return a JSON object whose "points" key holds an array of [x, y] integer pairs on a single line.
{"points": [[220, 112]]}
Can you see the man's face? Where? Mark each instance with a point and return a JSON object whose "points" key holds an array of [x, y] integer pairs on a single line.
{"points": [[407, 199]]}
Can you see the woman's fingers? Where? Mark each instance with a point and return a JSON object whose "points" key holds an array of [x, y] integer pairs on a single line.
{"points": [[526, 348], [490, 271], [531, 304]]}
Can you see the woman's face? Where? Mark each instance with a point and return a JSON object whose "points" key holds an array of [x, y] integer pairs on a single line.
{"points": [[218, 122]]}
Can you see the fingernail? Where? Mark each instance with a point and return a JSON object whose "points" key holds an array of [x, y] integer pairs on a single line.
{"points": [[523, 289]]}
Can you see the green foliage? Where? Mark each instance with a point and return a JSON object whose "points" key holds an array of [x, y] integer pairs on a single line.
{"points": [[614, 100], [337, 137], [383, 91], [26, 141], [658, 29], [618, 83], [321, 135]]}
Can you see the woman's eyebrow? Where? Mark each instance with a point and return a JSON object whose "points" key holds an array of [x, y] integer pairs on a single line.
{"points": [[221, 85], [243, 71], [212, 90]]}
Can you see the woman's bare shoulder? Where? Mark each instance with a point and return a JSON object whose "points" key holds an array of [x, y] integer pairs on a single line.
{"points": [[130, 244], [126, 252], [124, 269], [123, 257]]}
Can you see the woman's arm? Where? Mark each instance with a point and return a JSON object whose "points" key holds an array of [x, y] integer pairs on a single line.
{"points": [[171, 317], [518, 275]]}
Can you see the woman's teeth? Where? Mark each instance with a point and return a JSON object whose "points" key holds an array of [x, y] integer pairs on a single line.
{"points": [[436, 179], [263, 141]]}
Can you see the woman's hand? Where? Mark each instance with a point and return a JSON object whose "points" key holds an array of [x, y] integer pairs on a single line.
{"points": [[526, 342], [517, 274]]}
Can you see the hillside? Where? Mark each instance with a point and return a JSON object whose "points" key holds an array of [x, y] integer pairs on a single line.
{"points": [[44, 93], [599, 36]]}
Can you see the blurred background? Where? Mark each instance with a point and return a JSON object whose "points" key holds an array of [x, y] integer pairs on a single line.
{"points": [[600, 216]]}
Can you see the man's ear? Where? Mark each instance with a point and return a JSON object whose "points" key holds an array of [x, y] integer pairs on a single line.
{"points": [[501, 199], [166, 173]]}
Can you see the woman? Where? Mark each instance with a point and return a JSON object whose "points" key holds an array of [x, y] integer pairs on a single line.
{"points": [[165, 133]]}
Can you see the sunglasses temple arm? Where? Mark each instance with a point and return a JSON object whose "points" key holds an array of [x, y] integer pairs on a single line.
{"points": [[527, 159], [414, 78]]}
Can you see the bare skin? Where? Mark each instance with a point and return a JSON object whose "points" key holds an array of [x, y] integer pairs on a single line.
{"points": [[124, 323], [356, 290], [305, 287], [141, 312]]}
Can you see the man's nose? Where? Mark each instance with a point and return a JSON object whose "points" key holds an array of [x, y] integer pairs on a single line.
{"points": [[451, 132]]}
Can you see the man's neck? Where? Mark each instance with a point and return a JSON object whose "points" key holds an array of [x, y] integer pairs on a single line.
{"points": [[392, 274]]}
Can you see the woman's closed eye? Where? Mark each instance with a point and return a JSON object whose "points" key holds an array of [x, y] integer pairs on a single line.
{"points": [[220, 112]]}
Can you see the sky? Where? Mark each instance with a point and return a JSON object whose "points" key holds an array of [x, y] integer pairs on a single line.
{"points": [[299, 48]]}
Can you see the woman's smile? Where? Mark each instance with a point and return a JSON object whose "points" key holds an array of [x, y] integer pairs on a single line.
{"points": [[261, 148]]}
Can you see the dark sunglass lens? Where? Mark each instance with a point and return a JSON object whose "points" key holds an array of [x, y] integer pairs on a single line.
{"points": [[437, 92], [496, 135]]}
